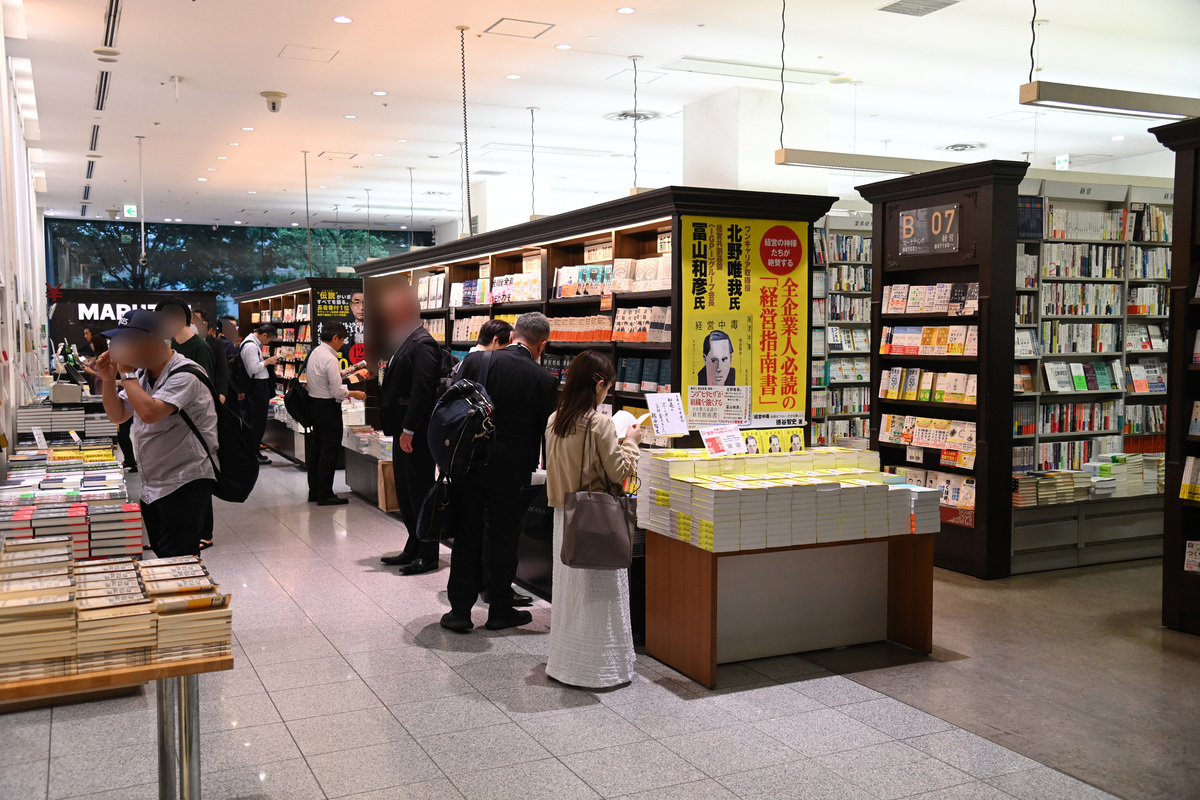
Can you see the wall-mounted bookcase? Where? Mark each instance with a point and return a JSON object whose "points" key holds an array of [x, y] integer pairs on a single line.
{"points": [[956, 227], [1181, 587], [840, 390]]}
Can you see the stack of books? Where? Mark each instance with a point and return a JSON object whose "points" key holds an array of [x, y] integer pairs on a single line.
{"points": [[116, 529], [853, 506], [753, 514], [117, 623], [681, 508], [37, 609], [804, 522], [828, 514], [899, 511], [926, 509], [194, 619], [875, 508], [98, 426], [715, 510], [779, 504]]}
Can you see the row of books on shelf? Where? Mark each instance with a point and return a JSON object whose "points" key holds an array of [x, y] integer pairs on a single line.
{"points": [[300, 333], [1027, 270], [953, 491], [1148, 300], [466, 329], [1104, 416], [1189, 489], [1061, 260], [840, 370], [836, 431], [841, 400], [1075, 337], [651, 274], [1026, 309], [523, 287], [436, 328], [930, 340], [1066, 454], [848, 246], [302, 312], [1140, 222], [840, 308], [1154, 264], [431, 290], [641, 374], [1090, 299], [1145, 418], [926, 386], [841, 278], [1144, 337], [641, 324], [474, 292], [1099, 480], [932, 432], [840, 339], [951, 299]]}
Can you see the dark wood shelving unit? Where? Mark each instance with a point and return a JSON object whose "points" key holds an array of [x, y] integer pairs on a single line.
{"points": [[986, 250], [1181, 519]]}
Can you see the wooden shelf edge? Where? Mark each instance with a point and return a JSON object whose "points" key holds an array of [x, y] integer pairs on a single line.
{"points": [[108, 679]]}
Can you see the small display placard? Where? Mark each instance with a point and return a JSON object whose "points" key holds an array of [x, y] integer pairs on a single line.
{"points": [[933, 229]]}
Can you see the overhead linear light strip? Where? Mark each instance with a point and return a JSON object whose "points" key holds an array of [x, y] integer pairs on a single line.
{"points": [[1113, 102], [102, 84], [91, 169], [112, 21], [94, 142], [850, 162]]}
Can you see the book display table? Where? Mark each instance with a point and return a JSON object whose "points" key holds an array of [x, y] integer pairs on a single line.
{"points": [[178, 684], [705, 608]]}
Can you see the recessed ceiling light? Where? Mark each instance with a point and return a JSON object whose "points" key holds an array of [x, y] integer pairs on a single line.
{"points": [[237, 222], [252, 192], [295, 224], [562, 47], [342, 19], [379, 94], [177, 219], [513, 77], [403, 227], [202, 180], [234, 144], [222, 158], [626, 10], [247, 129], [322, 186], [339, 177], [402, 141], [168, 219], [1118, 138], [378, 155], [212, 169], [351, 116]]}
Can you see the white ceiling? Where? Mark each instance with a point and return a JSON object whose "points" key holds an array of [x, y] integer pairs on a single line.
{"points": [[926, 82]]}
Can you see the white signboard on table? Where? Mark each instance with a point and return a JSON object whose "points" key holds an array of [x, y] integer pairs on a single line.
{"points": [[723, 440], [666, 414]]}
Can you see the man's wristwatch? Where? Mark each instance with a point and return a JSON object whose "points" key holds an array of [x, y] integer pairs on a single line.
{"points": [[128, 376]]}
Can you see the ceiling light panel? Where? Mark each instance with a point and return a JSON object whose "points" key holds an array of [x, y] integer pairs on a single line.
{"points": [[643, 76], [917, 8], [555, 151], [520, 28], [297, 52], [746, 69], [337, 155]]}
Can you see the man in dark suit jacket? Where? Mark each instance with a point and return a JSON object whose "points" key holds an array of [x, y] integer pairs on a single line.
{"points": [[524, 395], [408, 394]]}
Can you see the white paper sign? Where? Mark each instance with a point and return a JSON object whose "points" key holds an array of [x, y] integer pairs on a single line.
{"points": [[723, 440], [718, 405], [1191, 557], [666, 414], [40, 438]]}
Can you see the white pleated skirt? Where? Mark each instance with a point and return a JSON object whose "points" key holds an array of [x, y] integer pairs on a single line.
{"points": [[591, 639]]}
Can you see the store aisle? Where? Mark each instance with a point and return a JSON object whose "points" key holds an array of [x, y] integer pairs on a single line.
{"points": [[346, 686]]}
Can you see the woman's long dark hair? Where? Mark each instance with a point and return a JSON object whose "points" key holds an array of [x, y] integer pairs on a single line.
{"points": [[578, 397]]}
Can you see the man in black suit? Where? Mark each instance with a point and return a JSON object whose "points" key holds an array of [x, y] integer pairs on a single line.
{"points": [[524, 395], [407, 396]]}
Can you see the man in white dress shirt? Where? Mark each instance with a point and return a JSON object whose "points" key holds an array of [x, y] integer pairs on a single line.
{"points": [[258, 398], [326, 392]]}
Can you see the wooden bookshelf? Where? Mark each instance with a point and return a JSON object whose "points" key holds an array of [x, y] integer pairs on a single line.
{"points": [[1181, 590], [974, 541]]}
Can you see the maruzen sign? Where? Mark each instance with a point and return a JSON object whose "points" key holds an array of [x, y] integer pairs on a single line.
{"points": [[108, 311]]}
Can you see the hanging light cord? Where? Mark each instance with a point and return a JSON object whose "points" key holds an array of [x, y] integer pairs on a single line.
{"points": [[368, 258], [635, 121], [462, 50], [410, 208], [307, 215], [532, 165], [782, 63], [141, 199], [1032, 41]]}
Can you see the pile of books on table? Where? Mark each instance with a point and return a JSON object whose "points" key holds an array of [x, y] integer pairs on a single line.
{"points": [[116, 619], [37, 609], [195, 619]]}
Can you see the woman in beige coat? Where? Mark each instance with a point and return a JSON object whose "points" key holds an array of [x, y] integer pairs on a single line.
{"points": [[591, 640]]}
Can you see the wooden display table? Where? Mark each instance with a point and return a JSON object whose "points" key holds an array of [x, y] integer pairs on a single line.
{"points": [[706, 608], [169, 686]]}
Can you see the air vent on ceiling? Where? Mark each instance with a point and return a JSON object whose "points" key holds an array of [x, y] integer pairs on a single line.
{"points": [[94, 142], [962, 147], [436, 194], [917, 8], [112, 20], [87, 192], [83, 211], [521, 28], [491, 173], [297, 52], [102, 83], [630, 116], [333, 154], [91, 169]]}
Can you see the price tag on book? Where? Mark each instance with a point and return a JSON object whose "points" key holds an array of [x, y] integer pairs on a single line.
{"points": [[666, 414], [716, 405], [40, 438], [606, 302], [75, 437], [723, 440]]}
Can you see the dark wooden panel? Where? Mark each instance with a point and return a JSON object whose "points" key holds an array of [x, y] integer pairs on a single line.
{"points": [[910, 592], [681, 607]]}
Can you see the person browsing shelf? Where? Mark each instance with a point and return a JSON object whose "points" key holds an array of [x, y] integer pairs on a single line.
{"points": [[326, 393], [591, 637], [257, 400], [220, 373]]}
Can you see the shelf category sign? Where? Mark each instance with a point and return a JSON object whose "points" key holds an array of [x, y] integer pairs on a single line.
{"points": [[346, 307], [745, 314], [933, 229]]}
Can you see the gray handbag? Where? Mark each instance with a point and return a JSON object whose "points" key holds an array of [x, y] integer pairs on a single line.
{"points": [[597, 526]]}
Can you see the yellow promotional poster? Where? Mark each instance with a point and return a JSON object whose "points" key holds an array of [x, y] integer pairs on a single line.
{"points": [[745, 316]]}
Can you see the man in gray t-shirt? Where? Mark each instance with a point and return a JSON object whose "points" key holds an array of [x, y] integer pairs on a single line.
{"points": [[177, 475]]}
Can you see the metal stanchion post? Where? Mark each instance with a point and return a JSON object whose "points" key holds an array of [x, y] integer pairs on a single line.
{"points": [[189, 737], [166, 737]]}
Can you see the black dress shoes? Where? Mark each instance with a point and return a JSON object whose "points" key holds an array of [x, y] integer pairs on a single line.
{"points": [[419, 566], [332, 501], [518, 600], [263, 459], [515, 620], [456, 623], [398, 560]]}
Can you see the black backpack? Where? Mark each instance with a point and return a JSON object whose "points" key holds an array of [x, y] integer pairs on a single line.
{"points": [[461, 427], [449, 364], [236, 461], [295, 399], [239, 378]]}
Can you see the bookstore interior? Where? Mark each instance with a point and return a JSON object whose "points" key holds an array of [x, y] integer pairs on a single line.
{"points": [[957, 557]]}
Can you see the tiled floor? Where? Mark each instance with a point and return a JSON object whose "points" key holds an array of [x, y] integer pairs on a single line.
{"points": [[346, 687]]}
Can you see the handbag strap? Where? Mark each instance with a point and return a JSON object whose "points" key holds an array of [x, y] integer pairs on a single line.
{"points": [[589, 444]]}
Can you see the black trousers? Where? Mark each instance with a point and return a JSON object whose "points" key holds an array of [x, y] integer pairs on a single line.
{"points": [[175, 524], [413, 475], [125, 440], [258, 400], [321, 446], [498, 505]]}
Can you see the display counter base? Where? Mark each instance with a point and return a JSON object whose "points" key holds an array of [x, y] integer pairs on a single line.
{"points": [[706, 608], [1089, 532], [362, 475]]}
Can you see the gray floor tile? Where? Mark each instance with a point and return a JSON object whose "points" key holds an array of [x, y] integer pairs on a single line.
{"points": [[365, 769], [79, 735], [648, 689], [735, 748], [1043, 782], [310, 672], [893, 770], [298, 649], [84, 773], [755, 703], [466, 752], [141, 700], [26, 735], [381, 636], [833, 690], [700, 790], [548, 779], [673, 716], [394, 660], [458, 650], [631, 768], [317, 701], [821, 732], [345, 731], [782, 667], [977, 790], [591, 728], [440, 789], [972, 754], [530, 701], [244, 747], [409, 687], [896, 719], [796, 780], [227, 713], [731, 675], [24, 779], [501, 674], [145, 791], [448, 714], [230, 683], [279, 780]]}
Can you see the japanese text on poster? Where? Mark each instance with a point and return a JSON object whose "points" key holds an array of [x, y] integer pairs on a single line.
{"points": [[346, 307], [723, 440], [713, 405]]}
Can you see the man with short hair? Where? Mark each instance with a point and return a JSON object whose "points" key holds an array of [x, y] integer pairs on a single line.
{"points": [[326, 393], [220, 373], [261, 389], [177, 316], [177, 475], [523, 395]]}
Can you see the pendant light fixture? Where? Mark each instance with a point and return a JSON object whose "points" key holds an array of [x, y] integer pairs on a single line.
{"points": [[307, 215], [466, 158], [141, 204], [367, 255], [635, 60], [411, 218], [532, 164]]}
